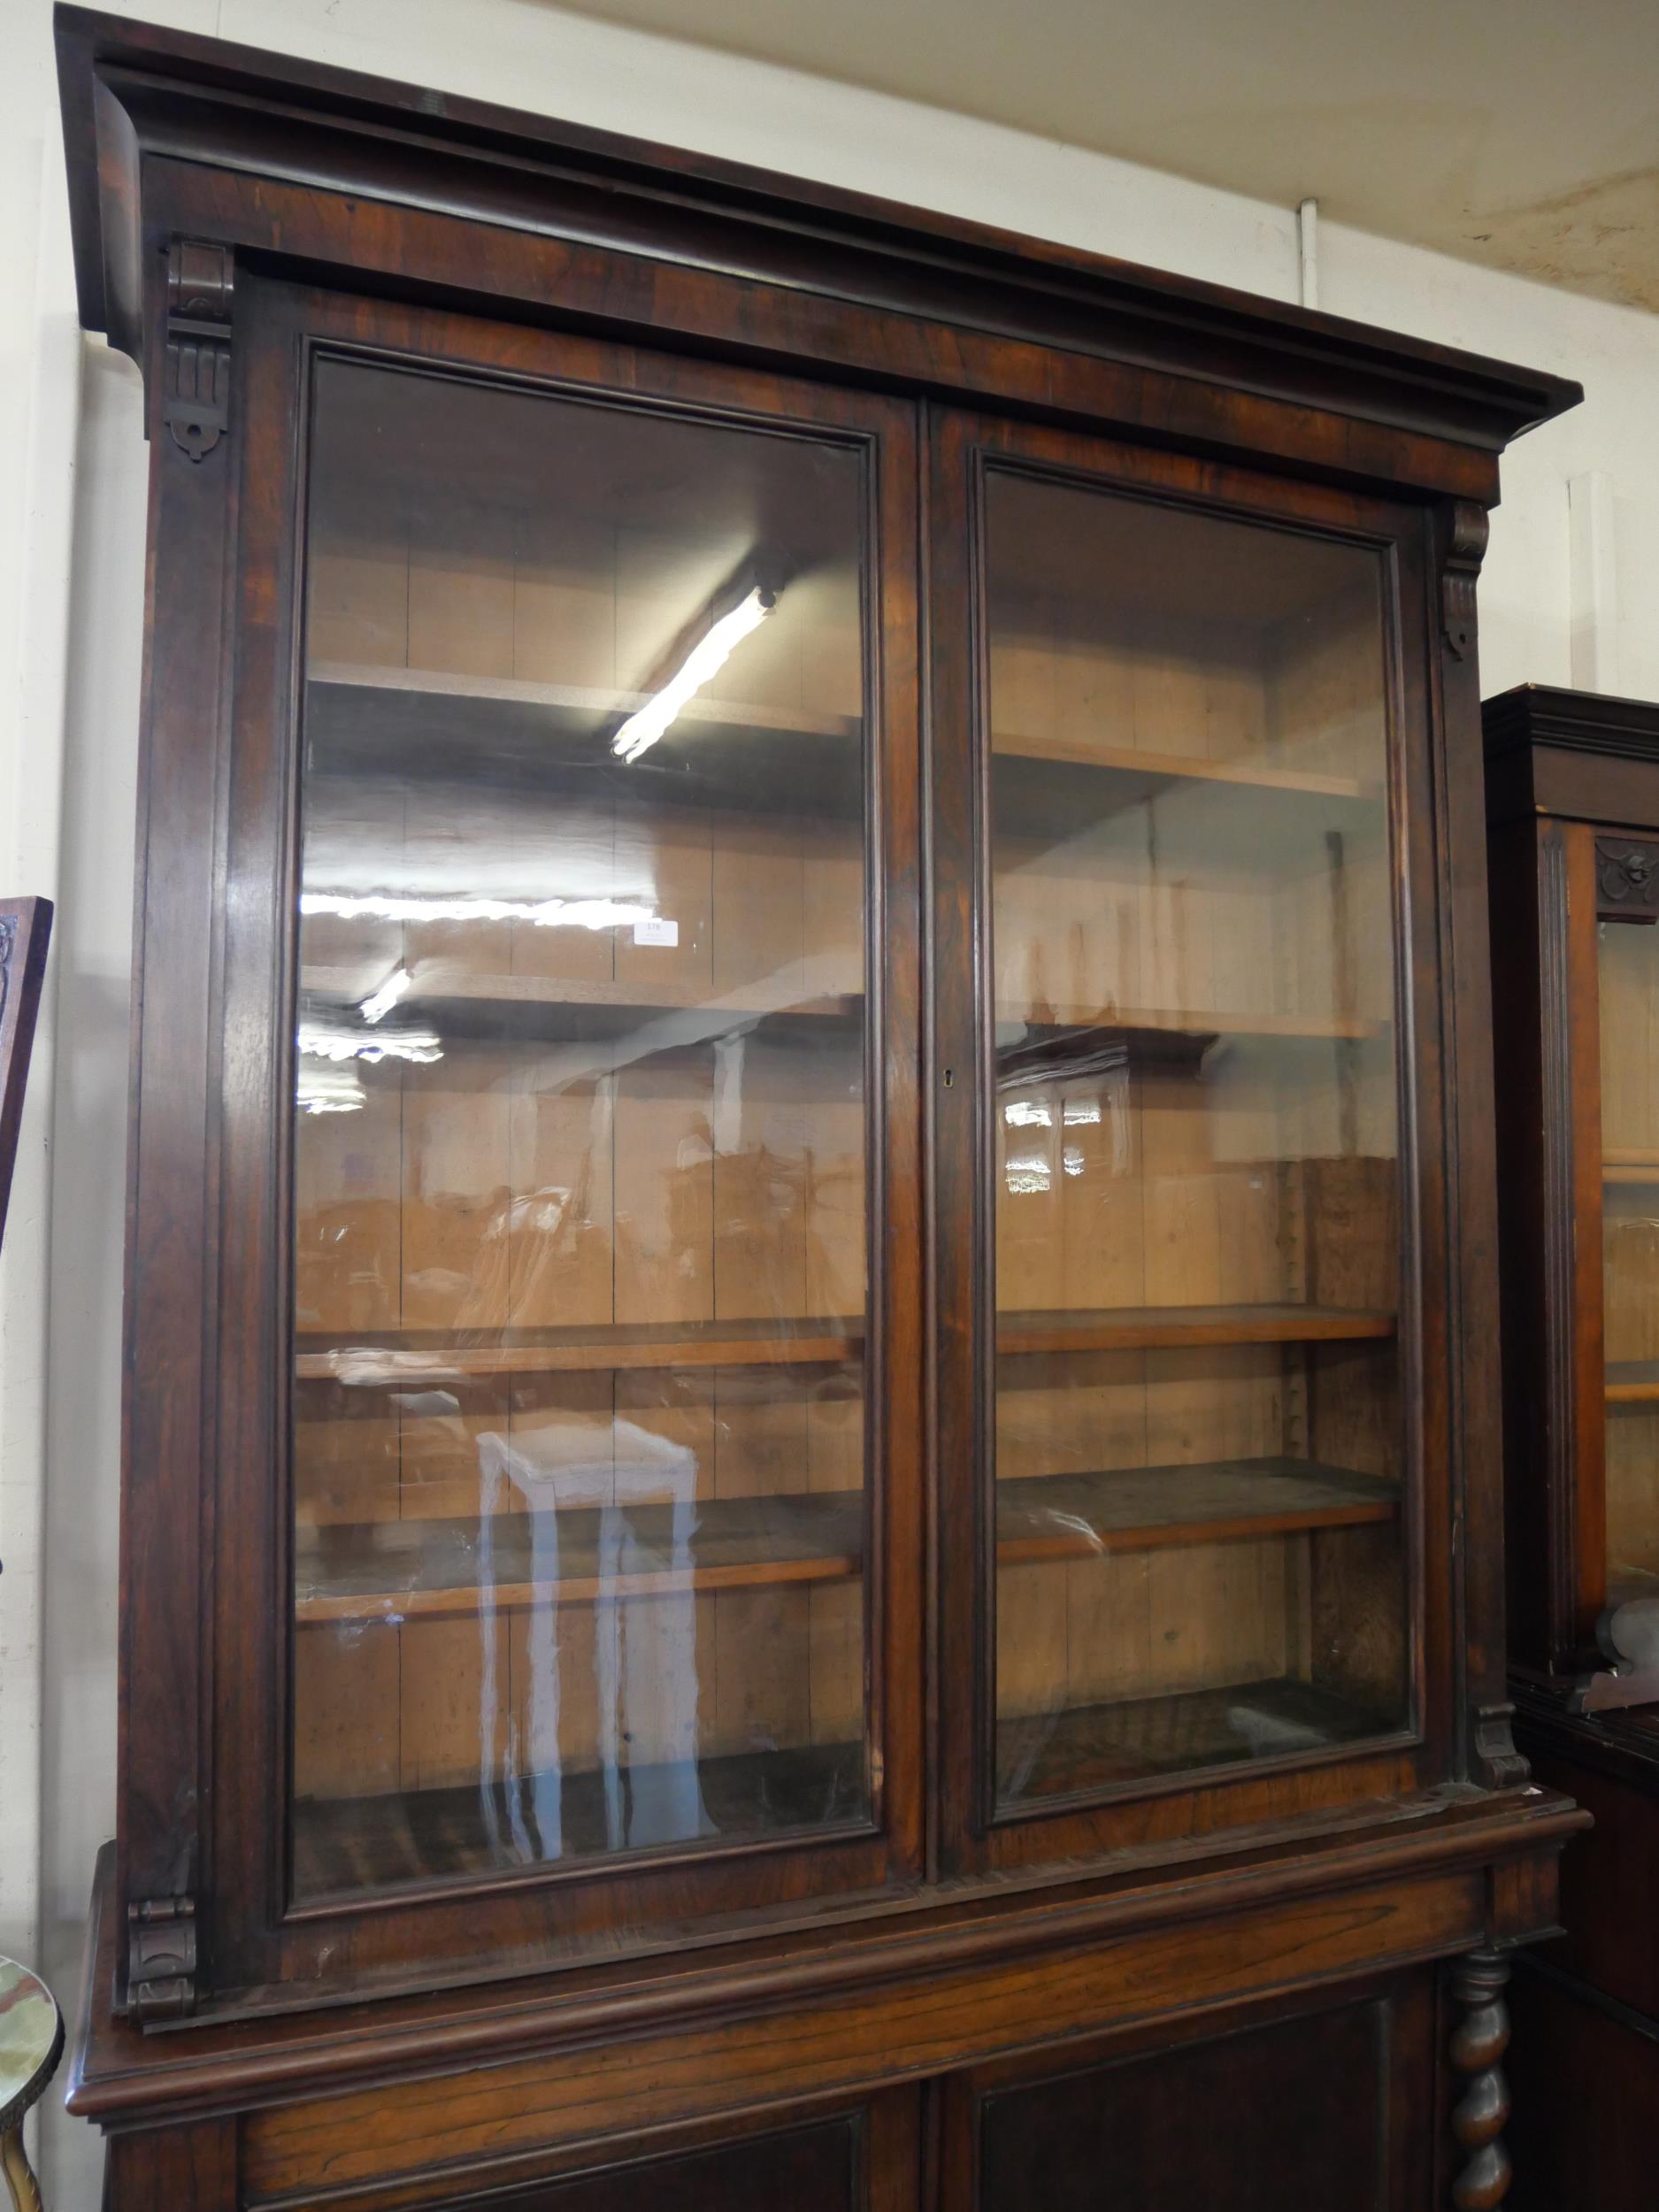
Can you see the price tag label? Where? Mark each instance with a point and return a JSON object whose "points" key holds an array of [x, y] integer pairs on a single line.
{"points": [[656, 930]]}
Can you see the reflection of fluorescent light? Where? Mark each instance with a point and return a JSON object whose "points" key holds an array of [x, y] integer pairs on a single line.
{"points": [[329, 1091], [705, 659], [1026, 1178], [1081, 1110], [1022, 1113], [550, 914], [381, 1002], [318, 1041]]}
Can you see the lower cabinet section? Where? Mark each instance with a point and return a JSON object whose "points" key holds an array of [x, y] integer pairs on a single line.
{"points": [[1585, 2059], [1330, 2102], [1324, 2110], [1327, 2107], [1090, 2054], [1586, 2085]]}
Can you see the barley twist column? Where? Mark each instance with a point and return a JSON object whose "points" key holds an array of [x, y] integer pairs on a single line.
{"points": [[1478, 2045]]}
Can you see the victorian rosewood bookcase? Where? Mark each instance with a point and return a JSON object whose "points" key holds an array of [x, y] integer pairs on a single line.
{"points": [[1572, 790], [812, 1505]]}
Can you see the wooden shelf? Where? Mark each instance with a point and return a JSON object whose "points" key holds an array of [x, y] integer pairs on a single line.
{"points": [[460, 1002], [1155, 769], [513, 736], [522, 735], [581, 710], [1150, 1508], [1048, 791], [1629, 1164], [396, 1360], [1187, 1021], [343, 1845], [458, 997], [575, 707], [1149, 1328], [1632, 1382], [1626, 1582], [1092, 1747], [410, 1569]]}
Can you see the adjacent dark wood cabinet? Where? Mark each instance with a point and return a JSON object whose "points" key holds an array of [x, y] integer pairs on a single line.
{"points": [[812, 1497], [1573, 807]]}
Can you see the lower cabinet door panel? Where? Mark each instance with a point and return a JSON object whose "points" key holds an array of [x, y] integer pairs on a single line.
{"points": [[864, 2156], [1586, 2101], [813, 2169], [1324, 2111]]}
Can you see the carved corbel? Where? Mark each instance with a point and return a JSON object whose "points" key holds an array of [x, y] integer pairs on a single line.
{"points": [[1498, 1765], [195, 395], [1466, 550], [161, 1961]]}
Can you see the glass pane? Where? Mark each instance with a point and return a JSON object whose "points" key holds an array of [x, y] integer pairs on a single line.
{"points": [[1629, 964], [1199, 1534], [580, 1220]]}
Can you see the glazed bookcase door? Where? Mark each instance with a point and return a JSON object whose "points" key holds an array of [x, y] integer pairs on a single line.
{"points": [[578, 766], [1627, 973], [1175, 1113]]}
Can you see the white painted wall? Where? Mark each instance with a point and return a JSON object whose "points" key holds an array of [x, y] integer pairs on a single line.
{"points": [[72, 514]]}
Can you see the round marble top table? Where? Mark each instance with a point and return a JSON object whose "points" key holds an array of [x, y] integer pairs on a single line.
{"points": [[31, 2043]]}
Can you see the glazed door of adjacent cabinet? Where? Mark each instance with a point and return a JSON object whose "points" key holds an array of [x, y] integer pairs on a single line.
{"points": [[572, 973], [1190, 1443], [1618, 1525]]}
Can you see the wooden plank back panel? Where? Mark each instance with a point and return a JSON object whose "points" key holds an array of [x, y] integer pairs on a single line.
{"points": [[578, 1186]]}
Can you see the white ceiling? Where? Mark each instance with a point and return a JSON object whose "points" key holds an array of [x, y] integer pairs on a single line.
{"points": [[1520, 133]]}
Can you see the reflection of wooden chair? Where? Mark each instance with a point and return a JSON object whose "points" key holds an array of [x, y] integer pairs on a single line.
{"points": [[614, 1506], [31, 2043], [24, 926]]}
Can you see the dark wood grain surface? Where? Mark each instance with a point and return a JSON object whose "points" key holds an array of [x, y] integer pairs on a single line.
{"points": [[1571, 776], [1130, 2134], [1414, 398], [442, 2039], [1587, 2086], [395, 1359]]}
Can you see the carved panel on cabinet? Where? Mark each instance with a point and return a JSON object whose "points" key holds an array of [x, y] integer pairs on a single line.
{"points": [[161, 1958], [1626, 879]]}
